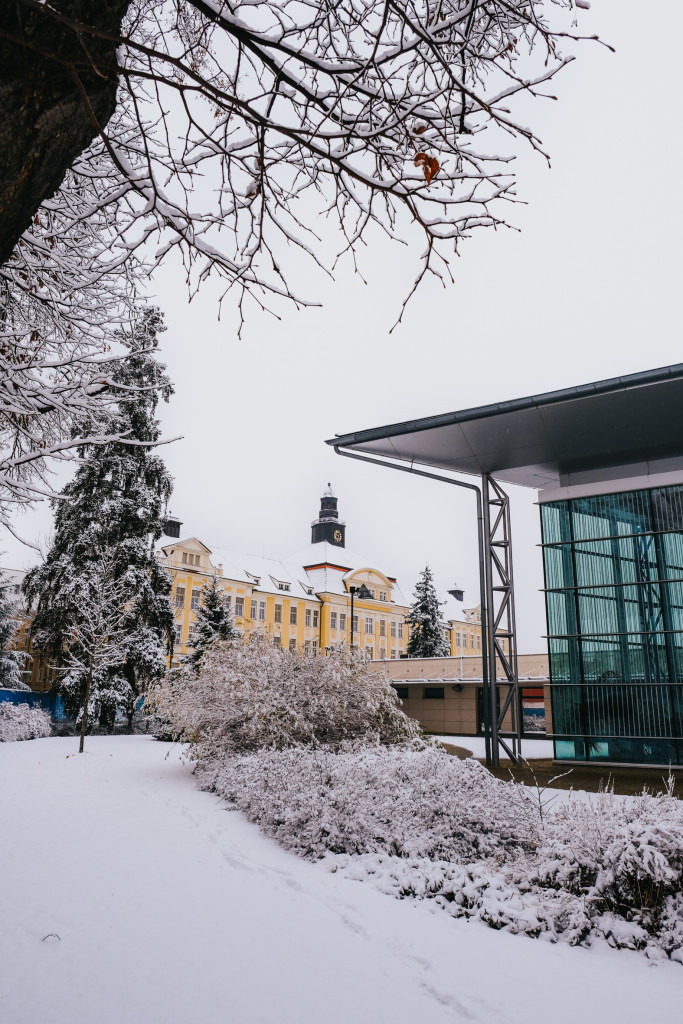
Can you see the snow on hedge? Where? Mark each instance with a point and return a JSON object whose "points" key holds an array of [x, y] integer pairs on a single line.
{"points": [[318, 752], [250, 696], [423, 825], [22, 722]]}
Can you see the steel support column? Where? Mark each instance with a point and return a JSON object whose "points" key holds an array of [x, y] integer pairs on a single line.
{"points": [[501, 635], [494, 568]]}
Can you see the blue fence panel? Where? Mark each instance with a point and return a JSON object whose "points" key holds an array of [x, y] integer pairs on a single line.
{"points": [[50, 702]]}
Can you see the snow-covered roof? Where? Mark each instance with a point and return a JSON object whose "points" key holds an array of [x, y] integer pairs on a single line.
{"points": [[267, 575], [13, 578], [317, 568], [328, 565], [460, 611]]}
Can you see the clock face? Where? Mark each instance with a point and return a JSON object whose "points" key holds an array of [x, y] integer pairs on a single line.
{"points": [[337, 535]]}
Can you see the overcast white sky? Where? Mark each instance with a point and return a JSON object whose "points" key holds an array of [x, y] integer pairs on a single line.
{"points": [[588, 289]]}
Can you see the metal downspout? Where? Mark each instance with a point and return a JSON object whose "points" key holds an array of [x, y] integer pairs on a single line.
{"points": [[491, 749]]}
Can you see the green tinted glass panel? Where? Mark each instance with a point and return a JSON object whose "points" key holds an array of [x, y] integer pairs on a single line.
{"points": [[611, 515]]}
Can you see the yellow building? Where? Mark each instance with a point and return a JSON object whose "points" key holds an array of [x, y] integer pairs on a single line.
{"points": [[302, 602], [464, 625]]}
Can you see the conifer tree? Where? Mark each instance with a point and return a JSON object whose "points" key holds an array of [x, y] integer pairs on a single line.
{"points": [[424, 618], [10, 660], [116, 503], [213, 622]]}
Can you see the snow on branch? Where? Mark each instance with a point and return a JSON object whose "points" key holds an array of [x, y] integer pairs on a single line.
{"points": [[238, 125]]}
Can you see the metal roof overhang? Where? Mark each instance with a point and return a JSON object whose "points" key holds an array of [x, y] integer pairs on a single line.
{"points": [[536, 441]]}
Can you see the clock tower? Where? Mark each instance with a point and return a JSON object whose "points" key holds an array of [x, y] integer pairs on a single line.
{"points": [[328, 526]]}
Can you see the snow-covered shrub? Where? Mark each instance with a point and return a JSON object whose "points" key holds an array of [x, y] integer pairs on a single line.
{"points": [[422, 825], [22, 722], [250, 696], [407, 803], [623, 856]]}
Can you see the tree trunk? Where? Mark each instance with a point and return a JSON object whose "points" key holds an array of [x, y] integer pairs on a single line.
{"points": [[84, 716], [50, 73]]}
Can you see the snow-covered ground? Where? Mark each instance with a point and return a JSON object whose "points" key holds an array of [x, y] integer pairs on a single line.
{"points": [[531, 749], [170, 908]]}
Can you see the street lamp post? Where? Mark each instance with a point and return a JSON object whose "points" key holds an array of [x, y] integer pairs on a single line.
{"points": [[364, 594]]}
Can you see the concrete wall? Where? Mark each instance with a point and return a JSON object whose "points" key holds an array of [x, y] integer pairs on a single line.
{"points": [[461, 678]]}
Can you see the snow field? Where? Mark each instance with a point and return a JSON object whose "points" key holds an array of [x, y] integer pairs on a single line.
{"points": [[169, 908]]}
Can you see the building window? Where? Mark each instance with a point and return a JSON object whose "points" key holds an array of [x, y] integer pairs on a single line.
{"points": [[382, 653], [393, 654], [239, 607], [178, 635], [228, 602], [342, 620], [307, 617], [382, 595], [284, 586], [478, 641], [292, 643], [180, 597], [369, 652], [433, 693], [400, 630], [278, 613], [195, 600], [401, 692], [277, 640], [392, 630], [262, 611], [471, 641], [315, 647], [382, 627], [307, 647], [333, 620], [254, 607], [315, 618], [292, 615], [368, 625], [355, 624]]}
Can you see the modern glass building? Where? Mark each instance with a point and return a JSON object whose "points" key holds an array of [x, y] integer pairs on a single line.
{"points": [[613, 568], [607, 462]]}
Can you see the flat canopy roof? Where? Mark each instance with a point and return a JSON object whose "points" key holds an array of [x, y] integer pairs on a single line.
{"points": [[534, 441]]}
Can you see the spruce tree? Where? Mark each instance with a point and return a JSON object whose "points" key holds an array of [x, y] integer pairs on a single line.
{"points": [[213, 622], [115, 504], [424, 618], [10, 659]]}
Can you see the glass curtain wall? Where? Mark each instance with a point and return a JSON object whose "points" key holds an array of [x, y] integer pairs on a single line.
{"points": [[614, 602]]}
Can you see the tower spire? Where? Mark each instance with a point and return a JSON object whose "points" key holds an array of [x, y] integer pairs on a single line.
{"points": [[328, 527]]}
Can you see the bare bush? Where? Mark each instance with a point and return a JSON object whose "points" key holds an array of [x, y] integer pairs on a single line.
{"points": [[250, 696], [22, 722]]}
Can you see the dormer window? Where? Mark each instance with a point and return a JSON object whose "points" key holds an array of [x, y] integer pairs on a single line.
{"points": [[256, 580], [190, 559], [281, 584]]}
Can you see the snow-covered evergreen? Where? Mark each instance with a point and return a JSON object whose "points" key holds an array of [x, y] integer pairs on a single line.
{"points": [[116, 504], [424, 618], [213, 622], [10, 660]]}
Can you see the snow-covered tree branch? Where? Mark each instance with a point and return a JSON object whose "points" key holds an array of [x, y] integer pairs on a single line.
{"points": [[238, 124]]}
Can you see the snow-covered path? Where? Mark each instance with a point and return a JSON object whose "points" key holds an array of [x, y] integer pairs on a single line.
{"points": [[169, 908]]}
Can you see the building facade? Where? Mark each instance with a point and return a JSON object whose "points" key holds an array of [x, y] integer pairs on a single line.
{"points": [[302, 602], [446, 695], [614, 598]]}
